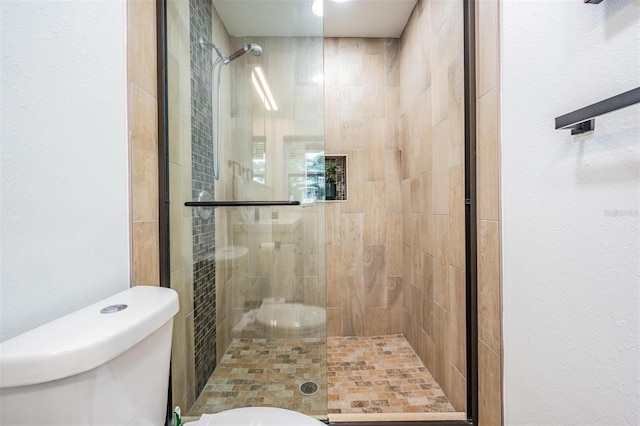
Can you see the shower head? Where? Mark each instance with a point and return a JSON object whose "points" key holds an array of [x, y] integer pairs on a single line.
{"points": [[255, 49]]}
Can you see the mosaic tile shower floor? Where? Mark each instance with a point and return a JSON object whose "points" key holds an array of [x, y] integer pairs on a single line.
{"points": [[366, 375], [267, 373]]}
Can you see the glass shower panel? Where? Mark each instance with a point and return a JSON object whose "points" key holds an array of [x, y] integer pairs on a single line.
{"points": [[274, 292], [251, 330]]}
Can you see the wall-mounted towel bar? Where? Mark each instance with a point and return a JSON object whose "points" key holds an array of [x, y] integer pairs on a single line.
{"points": [[583, 119], [240, 203]]}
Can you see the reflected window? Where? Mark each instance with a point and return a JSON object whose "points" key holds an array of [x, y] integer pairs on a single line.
{"points": [[304, 164], [259, 159]]}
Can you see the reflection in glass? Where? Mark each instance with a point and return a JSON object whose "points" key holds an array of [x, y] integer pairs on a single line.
{"points": [[251, 329]]}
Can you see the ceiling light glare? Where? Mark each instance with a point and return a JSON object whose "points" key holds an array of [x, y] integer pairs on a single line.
{"points": [[318, 78], [262, 87], [261, 95], [316, 7], [339, 1]]}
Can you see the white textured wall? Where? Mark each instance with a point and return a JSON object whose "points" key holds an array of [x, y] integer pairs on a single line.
{"points": [[64, 165], [570, 213]]}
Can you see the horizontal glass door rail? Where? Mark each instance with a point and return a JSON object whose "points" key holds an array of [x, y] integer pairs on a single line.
{"points": [[240, 203]]}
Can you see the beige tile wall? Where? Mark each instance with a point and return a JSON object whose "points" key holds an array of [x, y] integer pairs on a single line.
{"points": [[143, 141], [432, 142], [395, 250], [488, 187], [181, 253], [359, 137], [364, 234], [429, 269]]}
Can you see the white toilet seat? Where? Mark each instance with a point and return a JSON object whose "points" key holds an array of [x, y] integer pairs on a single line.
{"points": [[264, 416]]}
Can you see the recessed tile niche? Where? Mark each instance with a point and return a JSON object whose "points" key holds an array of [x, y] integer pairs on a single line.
{"points": [[340, 162]]}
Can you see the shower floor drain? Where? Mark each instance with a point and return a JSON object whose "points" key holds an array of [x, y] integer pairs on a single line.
{"points": [[309, 388]]}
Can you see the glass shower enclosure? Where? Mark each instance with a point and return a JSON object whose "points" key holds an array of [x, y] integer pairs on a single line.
{"points": [[246, 124]]}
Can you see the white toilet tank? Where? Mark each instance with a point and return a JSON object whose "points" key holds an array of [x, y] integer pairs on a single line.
{"points": [[93, 368]]}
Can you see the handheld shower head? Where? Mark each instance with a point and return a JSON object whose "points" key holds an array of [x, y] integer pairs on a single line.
{"points": [[255, 49]]}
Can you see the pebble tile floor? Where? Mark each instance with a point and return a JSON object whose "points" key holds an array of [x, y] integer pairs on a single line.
{"points": [[379, 374]]}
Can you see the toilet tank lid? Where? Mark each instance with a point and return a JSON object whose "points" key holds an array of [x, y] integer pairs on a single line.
{"points": [[86, 338]]}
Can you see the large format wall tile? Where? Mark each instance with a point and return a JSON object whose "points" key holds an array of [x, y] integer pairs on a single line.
{"points": [[489, 305], [142, 45], [362, 121], [488, 187], [423, 190], [375, 276], [490, 386], [143, 136], [143, 142], [432, 112], [375, 217], [488, 157], [146, 267], [351, 227], [353, 305]]}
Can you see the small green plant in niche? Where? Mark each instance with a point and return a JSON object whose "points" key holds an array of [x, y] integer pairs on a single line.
{"points": [[330, 185]]}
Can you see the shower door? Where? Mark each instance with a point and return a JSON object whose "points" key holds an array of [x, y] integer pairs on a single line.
{"points": [[251, 328]]}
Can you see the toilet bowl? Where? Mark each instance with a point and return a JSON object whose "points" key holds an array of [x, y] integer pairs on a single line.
{"points": [[281, 319], [251, 416]]}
